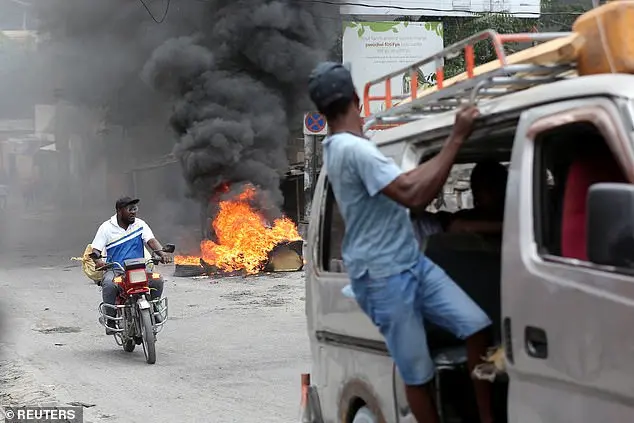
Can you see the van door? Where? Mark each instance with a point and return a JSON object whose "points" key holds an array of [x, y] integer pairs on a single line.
{"points": [[567, 323], [349, 353], [338, 316]]}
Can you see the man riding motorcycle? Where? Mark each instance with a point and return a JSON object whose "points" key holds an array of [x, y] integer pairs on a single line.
{"points": [[120, 238]]}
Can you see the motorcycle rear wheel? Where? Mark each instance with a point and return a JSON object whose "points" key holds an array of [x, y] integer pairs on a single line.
{"points": [[147, 332]]}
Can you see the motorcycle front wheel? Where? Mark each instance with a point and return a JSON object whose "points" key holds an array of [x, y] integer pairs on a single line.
{"points": [[128, 343], [147, 333]]}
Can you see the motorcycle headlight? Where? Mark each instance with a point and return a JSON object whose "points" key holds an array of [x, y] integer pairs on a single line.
{"points": [[137, 276]]}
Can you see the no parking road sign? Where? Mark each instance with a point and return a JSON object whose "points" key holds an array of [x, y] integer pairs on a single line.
{"points": [[315, 124]]}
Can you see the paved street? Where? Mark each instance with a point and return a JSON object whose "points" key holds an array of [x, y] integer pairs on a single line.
{"points": [[233, 351]]}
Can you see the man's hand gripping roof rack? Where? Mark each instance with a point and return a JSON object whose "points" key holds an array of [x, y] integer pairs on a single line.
{"points": [[505, 79]]}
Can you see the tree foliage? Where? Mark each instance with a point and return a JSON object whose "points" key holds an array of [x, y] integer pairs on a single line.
{"points": [[555, 16]]}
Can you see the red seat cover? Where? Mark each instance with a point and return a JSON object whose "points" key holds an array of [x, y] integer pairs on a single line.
{"points": [[582, 174]]}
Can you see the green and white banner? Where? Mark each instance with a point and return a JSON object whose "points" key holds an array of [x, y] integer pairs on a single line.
{"points": [[375, 49]]}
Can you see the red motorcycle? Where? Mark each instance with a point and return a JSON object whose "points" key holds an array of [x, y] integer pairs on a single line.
{"points": [[136, 313]]}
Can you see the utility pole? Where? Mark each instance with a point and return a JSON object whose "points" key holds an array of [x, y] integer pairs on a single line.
{"points": [[309, 174], [63, 148]]}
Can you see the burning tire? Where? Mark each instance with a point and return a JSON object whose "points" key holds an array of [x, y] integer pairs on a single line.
{"points": [[188, 270], [242, 240], [286, 257]]}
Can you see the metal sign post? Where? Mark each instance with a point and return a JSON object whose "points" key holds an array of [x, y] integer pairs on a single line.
{"points": [[314, 127]]}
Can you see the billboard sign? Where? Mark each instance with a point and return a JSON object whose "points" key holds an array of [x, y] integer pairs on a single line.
{"points": [[374, 49]]}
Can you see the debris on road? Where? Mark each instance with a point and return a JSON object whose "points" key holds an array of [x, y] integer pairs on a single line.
{"points": [[59, 329], [80, 404]]}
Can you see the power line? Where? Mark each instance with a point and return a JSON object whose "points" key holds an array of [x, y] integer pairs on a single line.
{"points": [[167, 8], [429, 9]]}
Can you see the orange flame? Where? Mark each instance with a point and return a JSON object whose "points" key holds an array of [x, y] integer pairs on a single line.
{"points": [[244, 240]]}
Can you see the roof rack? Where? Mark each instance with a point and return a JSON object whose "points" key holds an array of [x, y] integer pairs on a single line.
{"points": [[502, 80]]}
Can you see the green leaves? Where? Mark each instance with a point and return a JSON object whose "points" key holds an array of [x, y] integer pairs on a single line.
{"points": [[383, 26], [391, 26], [362, 27], [436, 27], [555, 17]]}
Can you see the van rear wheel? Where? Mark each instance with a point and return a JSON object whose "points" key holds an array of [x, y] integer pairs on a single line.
{"points": [[364, 415]]}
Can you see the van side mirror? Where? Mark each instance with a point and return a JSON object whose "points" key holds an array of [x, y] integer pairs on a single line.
{"points": [[610, 224]]}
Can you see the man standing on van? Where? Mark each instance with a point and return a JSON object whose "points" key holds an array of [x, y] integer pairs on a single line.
{"points": [[393, 283]]}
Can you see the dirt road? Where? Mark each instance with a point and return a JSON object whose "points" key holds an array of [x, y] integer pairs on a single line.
{"points": [[232, 351]]}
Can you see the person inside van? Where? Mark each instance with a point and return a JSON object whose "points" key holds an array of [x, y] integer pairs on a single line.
{"points": [[393, 283], [488, 187]]}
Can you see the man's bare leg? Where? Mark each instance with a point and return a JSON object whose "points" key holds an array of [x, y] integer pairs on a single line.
{"points": [[476, 349], [421, 404]]}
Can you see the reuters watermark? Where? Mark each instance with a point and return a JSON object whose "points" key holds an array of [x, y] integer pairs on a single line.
{"points": [[43, 414]]}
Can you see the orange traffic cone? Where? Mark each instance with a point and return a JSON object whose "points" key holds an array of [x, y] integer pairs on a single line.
{"points": [[305, 416]]}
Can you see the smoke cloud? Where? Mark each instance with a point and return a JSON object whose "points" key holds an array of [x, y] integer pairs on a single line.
{"points": [[238, 87], [220, 84], [92, 52], [227, 77]]}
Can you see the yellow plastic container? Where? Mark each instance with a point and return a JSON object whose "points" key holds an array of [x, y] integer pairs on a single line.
{"points": [[608, 31]]}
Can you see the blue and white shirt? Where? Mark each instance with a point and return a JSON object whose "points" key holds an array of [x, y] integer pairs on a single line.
{"points": [[119, 244]]}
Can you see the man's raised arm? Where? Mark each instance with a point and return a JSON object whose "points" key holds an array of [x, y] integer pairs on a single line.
{"points": [[417, 188]]}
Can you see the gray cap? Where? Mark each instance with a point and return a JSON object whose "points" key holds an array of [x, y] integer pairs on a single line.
{"points": [[329, 82]]}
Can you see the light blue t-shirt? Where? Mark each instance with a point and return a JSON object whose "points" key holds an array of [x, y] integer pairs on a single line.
{"points": [[379, 237]]}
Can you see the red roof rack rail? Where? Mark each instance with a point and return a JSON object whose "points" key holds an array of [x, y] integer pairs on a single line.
{"points": [[503, 80]]}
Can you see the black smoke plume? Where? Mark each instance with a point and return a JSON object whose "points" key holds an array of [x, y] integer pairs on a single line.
{"points": [[91, 54], [219, 83], [239, 87]]}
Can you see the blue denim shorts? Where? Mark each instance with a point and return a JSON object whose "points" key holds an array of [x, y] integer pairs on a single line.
{"points": [[398, 304]]}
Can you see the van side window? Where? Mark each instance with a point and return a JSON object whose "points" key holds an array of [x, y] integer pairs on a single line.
{"points": [[568, 160], [332, 235]]}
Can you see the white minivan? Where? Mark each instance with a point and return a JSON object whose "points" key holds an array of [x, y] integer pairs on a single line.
{"points": [[558, 284]]}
